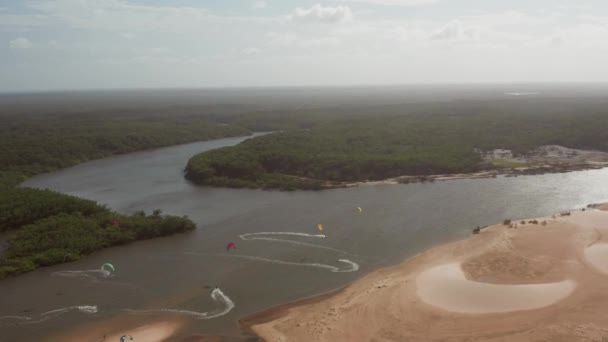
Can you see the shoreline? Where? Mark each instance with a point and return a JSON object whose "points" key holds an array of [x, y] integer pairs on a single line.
{"points": [[339, 315], [493, 173], [246, 323], [537, 170]]}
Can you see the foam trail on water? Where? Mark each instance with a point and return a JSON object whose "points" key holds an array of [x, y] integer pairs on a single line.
{"points": [[352, 265], [245, 236], [85, 274], [15, 318], [88, 309], [256, 236], [217, 295]]}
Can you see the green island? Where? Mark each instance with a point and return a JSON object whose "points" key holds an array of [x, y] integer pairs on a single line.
{"points": [[41, 227], [334, 149], [46, 228]]}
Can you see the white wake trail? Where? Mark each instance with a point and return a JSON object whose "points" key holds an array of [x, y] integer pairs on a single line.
{"points": [[217, 295], [260, 236], [246, 236], [352, 265], [84, 274], [87, 309]]}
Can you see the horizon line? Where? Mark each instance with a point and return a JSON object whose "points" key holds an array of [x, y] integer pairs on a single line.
{"points": [[335, 86]]}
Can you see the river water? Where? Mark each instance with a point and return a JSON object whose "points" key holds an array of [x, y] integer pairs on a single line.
{"points": [[179, 272]]}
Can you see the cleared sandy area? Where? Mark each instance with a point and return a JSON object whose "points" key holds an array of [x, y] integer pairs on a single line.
{"points": [[529, 282], [112, 330], [597, 255], [596, 252], [143, 328], [151, 332], [447, 287]]}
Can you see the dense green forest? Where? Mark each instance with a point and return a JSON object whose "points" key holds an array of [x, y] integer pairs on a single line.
{"points": [[418, 139], [68, 228], [42, 227], [33, 144]]}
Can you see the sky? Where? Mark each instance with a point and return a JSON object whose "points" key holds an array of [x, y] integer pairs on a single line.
{"points": [[100, 44]]}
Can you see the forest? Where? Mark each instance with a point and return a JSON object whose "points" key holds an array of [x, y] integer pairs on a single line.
{"points": [[43, 227], [32, 144], [69, 229], [391, 141]]}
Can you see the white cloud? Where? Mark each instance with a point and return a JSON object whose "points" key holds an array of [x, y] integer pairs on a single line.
{"points": [[128, 35], [322, 14], [556, 42], [281, 38], [21, 22], [407, 3], [121, 15], [259, 4], [20, 43], [294, 41], [483, 42], [455, 31], [251, 51]]}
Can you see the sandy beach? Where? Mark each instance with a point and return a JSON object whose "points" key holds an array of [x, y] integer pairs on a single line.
{"points": [[113, 329], [542, 280], [544, 159], [142, 327]]}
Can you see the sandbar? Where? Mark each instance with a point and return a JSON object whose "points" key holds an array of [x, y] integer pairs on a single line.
{"points": [[544, 280]]}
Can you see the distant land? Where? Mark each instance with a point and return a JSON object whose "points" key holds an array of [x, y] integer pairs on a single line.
{"points": [[456, 134]]}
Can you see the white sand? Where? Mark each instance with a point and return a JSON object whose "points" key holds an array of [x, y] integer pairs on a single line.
{"points": [[148, 333], [446, 287], [111, 331], [597, 256], [534, 282], [589, 219]]}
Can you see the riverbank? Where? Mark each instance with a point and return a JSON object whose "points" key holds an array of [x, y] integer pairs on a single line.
{"points": [[202, 169], [30, 215], [160, 330], [507, 172], [502, 284]]}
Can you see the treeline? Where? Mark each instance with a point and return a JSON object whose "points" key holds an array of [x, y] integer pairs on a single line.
{"points": [[23, 206], [435, 138], [34, 144], [46, 228]]}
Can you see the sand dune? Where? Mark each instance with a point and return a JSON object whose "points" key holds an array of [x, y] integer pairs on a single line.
{"points": [[533, 282], [152, 332], [597, 255], [111, 330], [446, 287]]}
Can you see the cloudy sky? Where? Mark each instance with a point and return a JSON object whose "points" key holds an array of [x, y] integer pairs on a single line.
{"points": [[83, 44]]}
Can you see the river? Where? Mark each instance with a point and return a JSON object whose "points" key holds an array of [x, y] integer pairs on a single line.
{"points": [[180, 271]]}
